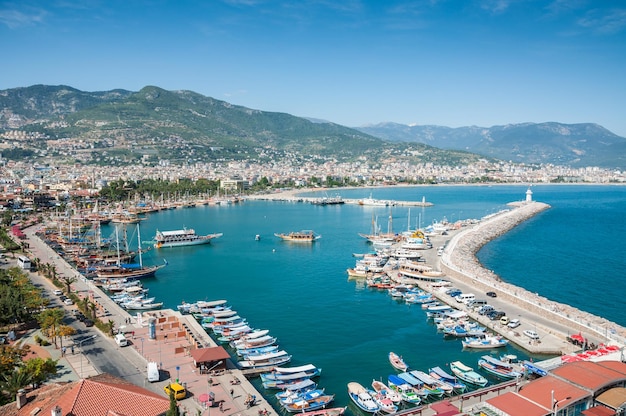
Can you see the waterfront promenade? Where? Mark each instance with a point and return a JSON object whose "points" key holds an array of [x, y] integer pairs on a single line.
{"points": [[177, 335]]}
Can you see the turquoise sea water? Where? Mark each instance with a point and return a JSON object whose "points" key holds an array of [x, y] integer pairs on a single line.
{"points": [[301, 293]]}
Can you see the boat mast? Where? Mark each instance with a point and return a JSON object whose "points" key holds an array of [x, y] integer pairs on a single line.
{"points": [[117, 244], [139, 246]]}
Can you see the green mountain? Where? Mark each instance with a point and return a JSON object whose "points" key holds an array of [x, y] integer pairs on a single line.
{"points": [[577, 145], [182, 126]]}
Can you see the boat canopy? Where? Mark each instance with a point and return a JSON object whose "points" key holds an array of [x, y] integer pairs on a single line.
{"points": [[495, 361], [302, 368]]}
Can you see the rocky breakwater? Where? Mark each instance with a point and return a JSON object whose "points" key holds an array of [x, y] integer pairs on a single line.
{"points": [[459, 262]]}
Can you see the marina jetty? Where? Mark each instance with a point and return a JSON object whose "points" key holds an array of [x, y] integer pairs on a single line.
{"points": [[294, 195], [459, 263]]}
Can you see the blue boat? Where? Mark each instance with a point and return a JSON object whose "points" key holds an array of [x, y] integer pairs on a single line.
{"points": [[441, 374], [498, 368], [404, 389]]}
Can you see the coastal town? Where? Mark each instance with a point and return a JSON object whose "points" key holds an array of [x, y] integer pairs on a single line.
{"points": [[448, 277]]}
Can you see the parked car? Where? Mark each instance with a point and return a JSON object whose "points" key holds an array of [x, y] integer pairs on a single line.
{"points": [[495, 315], [453, 292], [58, 292], [484, 310], [178, 391], [531, 334], [68, 301], [492, 294], [88, 322], [514, 323]]}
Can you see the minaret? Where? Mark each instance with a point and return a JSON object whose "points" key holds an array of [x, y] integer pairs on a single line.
{"points": [[529, 195]]}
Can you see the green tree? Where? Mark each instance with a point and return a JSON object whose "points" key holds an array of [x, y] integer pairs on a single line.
{"points": [[173, 410], [40, 369], [14, 381], [67, 281], [49, 321]]}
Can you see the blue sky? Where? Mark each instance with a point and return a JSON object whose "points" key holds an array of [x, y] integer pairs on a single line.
{"points": [[353, 62]]}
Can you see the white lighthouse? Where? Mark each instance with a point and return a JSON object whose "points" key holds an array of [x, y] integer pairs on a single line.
{"points": [[529, 195]]}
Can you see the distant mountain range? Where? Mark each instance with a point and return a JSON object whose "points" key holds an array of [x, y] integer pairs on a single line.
{"points": [[576, 145], [120, 126]]}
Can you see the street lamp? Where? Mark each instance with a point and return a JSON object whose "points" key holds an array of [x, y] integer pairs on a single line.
{"points": [[141, 339], [80, 346], [555, 403]]}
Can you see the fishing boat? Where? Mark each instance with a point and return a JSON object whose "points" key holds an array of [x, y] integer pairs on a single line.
{"points": [[302, 384], [137, 306], [280, 374], [266, 360], [179, 238], [485, 342], [385, 403], [303, 406], [242, 344], [360, 396], [439, 373], [498, 368], [404, 389], [304, 236], [333, 411], [397, 362], [467, 374], [381, 388], [290, 397], [436, 388]]}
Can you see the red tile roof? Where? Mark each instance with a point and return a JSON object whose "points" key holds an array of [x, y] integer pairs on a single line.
{"points": [[515, 405], [100, 395], [592, 375], [540, 391], [204, 355]]}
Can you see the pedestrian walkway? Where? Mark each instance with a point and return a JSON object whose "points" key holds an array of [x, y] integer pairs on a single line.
{"points": [[71, 363]]}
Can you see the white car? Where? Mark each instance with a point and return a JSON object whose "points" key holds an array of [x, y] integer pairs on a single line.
{"points": [[58, 292], [514, 323], [68, 301], [531, 334]]}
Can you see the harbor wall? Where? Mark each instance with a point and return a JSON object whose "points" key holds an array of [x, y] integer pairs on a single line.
{"points": [[459, 261]]}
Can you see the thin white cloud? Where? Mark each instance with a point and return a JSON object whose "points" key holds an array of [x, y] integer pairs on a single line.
{"points": [[608, 22], [13, 18], [235, 94]]}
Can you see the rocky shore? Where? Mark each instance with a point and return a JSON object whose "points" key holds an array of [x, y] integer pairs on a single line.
{"points": [[459, 262]]}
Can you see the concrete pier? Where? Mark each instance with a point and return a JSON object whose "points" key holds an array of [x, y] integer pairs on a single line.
{"points": [[460, 265]]}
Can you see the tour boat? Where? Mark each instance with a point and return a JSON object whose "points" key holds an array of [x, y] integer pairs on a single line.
{"points": [[304, 236], [179, 238]]}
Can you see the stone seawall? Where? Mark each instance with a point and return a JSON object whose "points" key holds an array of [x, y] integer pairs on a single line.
{"points": [[459, 262]]}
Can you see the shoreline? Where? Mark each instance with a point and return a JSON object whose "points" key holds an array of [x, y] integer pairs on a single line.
{"points": [[459, 262]]}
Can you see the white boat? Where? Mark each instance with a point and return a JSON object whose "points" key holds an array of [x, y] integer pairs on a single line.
{"points": [[498, 368], [179, 238], [467, 374], [485, 342], [381, 388], [266, 360], [397, 362], [385, 403], [360, 396], [262, 341]]}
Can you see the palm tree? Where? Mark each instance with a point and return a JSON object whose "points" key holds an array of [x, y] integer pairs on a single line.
{"points": [[67, 281], [15, 381]]}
